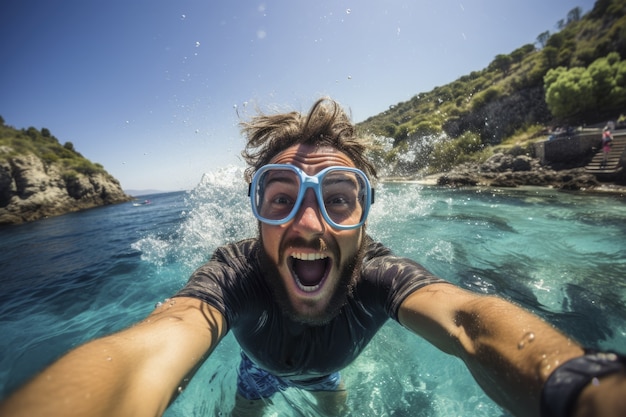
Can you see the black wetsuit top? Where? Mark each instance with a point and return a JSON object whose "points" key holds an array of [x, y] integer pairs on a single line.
{"points": [[232, 282]]}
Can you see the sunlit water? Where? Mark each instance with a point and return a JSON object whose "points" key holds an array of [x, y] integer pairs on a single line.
{"points": [[68, 279]]}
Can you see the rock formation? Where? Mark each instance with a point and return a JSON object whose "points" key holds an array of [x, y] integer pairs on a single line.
{"points": [[503, 170], [31, 190]]}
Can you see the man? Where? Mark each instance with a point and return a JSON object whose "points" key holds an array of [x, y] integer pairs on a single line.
{"points": [[305, 297]]}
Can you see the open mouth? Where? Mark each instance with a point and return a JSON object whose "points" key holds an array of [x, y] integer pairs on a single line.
{"points": [[310, 270]]}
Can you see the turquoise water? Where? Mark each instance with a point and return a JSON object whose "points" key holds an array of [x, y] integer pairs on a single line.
{"points": [[68, 279]]}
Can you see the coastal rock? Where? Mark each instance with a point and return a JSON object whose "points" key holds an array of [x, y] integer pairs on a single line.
{"points": [[503, 170], [31, 190]]}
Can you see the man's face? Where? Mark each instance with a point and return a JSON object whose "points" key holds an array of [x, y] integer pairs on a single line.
{"points": [[313, 262]]}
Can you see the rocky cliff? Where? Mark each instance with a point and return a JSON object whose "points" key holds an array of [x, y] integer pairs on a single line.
{"points": [[31, 189]]}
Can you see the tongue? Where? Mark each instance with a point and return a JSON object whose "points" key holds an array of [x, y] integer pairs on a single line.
{"points": [[309, 272]]}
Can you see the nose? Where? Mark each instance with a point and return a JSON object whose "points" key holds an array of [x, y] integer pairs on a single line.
{"points": [[309, 219]]}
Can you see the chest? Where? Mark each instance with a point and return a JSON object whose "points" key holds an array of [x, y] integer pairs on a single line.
{"points": [[291, 349]]}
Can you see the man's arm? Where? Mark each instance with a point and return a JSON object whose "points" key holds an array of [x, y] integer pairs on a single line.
{"points": [[509, 351], [135, 372]]}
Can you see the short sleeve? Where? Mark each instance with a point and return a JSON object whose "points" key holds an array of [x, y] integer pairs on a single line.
{"points": [[394, 277], [228, 280]]}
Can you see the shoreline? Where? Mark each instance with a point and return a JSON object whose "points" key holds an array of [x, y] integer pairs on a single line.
{"points": [[512, 171], [433, 181]]}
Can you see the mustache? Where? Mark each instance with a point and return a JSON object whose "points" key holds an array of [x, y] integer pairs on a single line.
{"points": [[318, 244]]}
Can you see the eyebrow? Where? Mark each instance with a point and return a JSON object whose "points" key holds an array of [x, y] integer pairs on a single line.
{"points": [[287, 177], [336, 179]]}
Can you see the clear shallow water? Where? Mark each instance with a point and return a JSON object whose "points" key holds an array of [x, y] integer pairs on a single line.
{"points": [[68, 279]]}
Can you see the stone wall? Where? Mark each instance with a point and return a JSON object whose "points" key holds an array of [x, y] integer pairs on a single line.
{"points": [[567, 149], [580, 147]]}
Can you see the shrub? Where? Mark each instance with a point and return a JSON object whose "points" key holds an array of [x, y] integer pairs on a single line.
{"points": [[50, 157], [482, 98], [450, 153]]}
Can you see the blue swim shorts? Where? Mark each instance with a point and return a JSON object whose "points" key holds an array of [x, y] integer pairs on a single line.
{"points": [[254, 383]]}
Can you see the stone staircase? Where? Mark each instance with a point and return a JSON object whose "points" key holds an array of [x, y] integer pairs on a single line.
{"points": [[613, 164]]}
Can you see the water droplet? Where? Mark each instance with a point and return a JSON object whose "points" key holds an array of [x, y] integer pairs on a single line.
{"points": [[183, 17], [349, 77], [180, 389], [158, 304], [109, 358], [526, 339], [197, 44], [348, 11]]}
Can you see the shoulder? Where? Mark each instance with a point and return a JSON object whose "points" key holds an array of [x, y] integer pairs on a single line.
{"points": [[229, 281], [244, 247], [380, 260], [237, 254], [390, 278], [230, 264], [374, 249]]}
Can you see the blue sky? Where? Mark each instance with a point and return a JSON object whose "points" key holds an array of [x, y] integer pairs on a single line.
{"points": [[151, 89]]}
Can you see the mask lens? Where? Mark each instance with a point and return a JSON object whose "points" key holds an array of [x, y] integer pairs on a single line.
{"points": [[344, 195], [276, 193]]}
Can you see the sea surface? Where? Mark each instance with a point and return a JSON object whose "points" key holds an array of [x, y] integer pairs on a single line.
{"points": [[68, 279]]}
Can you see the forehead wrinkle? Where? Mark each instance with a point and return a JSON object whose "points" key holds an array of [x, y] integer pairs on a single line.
{"points": [[303, 156]]}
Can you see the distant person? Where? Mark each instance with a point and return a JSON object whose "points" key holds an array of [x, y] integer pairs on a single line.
{"points": [[305, 297], [607, 140]]}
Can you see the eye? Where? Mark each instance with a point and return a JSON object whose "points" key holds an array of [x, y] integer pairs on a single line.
{"points": [[337, 200], [282, 200]]}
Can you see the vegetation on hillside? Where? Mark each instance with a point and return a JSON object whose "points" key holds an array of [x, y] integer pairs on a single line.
{"points": [[44, 145], [573, 76], [579, 92]]}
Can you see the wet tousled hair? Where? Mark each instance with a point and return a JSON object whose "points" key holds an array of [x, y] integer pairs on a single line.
{"points": [[326, 124]]}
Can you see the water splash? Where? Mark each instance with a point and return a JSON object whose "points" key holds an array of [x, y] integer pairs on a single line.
{"points": [[216, 212]]}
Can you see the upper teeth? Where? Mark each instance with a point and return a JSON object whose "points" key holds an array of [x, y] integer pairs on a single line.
{"points": [[308, 256]]}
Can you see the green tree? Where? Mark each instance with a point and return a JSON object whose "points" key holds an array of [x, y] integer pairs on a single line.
{"points": [[69, 146], [551, 55], [601, 72], [32, 133], [502, 63], [574, 15], [556, 40], [568, 91], [543, 38], [519, 54]]}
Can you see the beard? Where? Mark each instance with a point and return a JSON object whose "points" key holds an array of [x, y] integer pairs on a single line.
{"points": [[349, 275]]}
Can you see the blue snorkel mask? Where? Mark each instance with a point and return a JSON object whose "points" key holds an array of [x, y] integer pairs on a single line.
{"points": [[343, 194]]}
